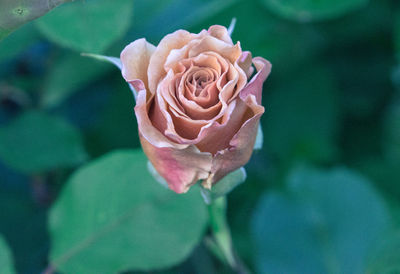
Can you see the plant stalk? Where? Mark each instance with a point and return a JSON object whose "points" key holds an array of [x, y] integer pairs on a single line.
{"points": [[222, 235]]}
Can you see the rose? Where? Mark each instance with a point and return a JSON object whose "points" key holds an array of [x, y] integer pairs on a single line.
{"points": [[197, 109]]}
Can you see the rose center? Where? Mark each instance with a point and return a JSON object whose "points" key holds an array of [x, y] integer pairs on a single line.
{"points": [[200, 80]]}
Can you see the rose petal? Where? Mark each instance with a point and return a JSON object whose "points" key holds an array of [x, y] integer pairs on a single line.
{"points": [[181, 168], [245, 63], [210, 43], [146, 128], [240, 150], [175, 40], [241, 145], [221, 33], [135, 59], [254, 87]]}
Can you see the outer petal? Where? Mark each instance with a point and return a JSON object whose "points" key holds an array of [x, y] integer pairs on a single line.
{"points": [[241, 145], [221, 33], [245, 63], [181, 168], [180, 165], [254, 87], [240, 150], [135, 59]]}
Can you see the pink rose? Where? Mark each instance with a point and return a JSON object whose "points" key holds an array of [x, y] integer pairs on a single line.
{"points": [[197, 109]]}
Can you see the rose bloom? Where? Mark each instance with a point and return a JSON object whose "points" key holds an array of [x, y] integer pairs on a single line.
{"points": [[197, 106]]}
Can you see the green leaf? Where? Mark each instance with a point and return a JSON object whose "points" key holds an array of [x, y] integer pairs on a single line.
{"points": [[35, 142], [310, 10], [78, 71], [6, 265], [18, 41], [14, 13], [327, 223], [224, 186], [88, 26], [112, 216], [386, 258]]}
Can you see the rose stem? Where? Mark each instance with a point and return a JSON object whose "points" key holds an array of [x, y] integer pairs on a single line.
{"points": [[222, 235]]}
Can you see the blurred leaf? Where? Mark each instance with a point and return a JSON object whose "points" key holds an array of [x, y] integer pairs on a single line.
{"points": [[6, 265], [327, 223], [302, 116], [310, 10], [16, 13], [35, 142], [386, 258], [224, 186], [385, 174], [70, 73], [392, 132], [18, 41], [112, 216], [88, 26]]}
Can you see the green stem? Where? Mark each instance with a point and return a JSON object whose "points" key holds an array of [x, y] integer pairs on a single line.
{"points": [[222, 235]]}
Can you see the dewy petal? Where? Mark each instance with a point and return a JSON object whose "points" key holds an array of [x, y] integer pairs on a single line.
{"points": [[135, 59]]}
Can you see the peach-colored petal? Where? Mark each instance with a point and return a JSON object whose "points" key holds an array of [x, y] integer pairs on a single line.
{"points": [[221, 33], [239, 151], [210, 43], [244, 62], [180, 165], [255, 85], [135, 59], [175, 40], [146, 127], [241, 146], [181, 168]]}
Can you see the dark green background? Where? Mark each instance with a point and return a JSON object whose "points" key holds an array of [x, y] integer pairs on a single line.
{"points": [[322, 196]]}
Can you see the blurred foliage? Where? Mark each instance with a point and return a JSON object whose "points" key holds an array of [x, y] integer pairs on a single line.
{"points": [[56, 143], [6, 265], [91, 25], [308, 10], [321, 196], [15, 13], [324, 236], [141, 227]]}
